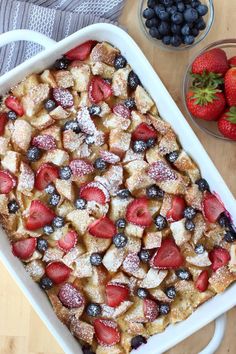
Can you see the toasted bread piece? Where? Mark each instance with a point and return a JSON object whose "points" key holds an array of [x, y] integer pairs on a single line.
{"points": [[120, 82], [65, 189], [133, 244], [157, 326], [136, 119], [59, 113], [4, 145], [95, 244], [113, 258], [33, 100], [22, 134], [200, 260], [168, 143], [232, 262], [105, 53], [82, 266], [137, 166], [105, 109], [82, 330], [103, 70], [119, 141], [58, 157], [152, 240], [42, 121], [134, 230], [80, 219], [64, 78], [180, 234], [11, 161], [143, 101], [200, 228], [25, 179], [185, 164], [73, 254], [114, 121], [35, 269], [48, 78], [114, 349], [3, 204], [153, 278], [136, 313], [131, 156], [221, 279], [52, 254], [194, 197], [138, 181], [81, 75], [118, 207], [159, 124]]}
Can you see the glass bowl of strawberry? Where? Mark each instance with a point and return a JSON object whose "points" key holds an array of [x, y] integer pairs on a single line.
{"points": [[209, 89]]}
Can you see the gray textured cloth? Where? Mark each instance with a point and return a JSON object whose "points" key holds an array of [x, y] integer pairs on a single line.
{"points": [[55, 18]]}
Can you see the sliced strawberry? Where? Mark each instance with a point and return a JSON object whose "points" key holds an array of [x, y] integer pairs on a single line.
{"points": [[137, 212], [116, 294], [150, 310], [58, 272], [14, 104], [102, 228], [24, 249], [120, 110], [109, 157], [63, 97], [3, 122], [106, 331], [219, 257], [90, 193], [39, 215], [177, 209], [70, 297], [212, 207], [81, 52], [201, 283], [99, 90], [80, 167], [232, 61], [44, 142], [67, 242], [144, 132], [7, 182], [131, 263], [168, 256], [161, 172], [46, 174]]}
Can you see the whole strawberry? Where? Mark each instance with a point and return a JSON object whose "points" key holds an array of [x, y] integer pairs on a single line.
{"points": [[230, 86], [205, 103], [232, 61], [214, 60], [227, 124]]}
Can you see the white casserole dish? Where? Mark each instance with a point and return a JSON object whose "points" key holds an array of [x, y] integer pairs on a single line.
{"points": [[170, 112]]}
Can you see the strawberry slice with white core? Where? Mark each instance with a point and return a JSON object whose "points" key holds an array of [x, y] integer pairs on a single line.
{"points": [[116, 294], [150, 310], [58, 272], [99, 90], [81, 52], [106, 331], [201, 283], [161, 172], [40, 215], [3, 122], [144, 132], [44, 142], [137, 213], [70, 297], [46, 174], [176, 212], [98, 185], [68, 241], [131, 263], [7, 182], [81, 168], [168, 256], [14, 104], [24, 249], [219, 258], [120, 110], [102, 228], [91, 193], [212, 207], [109, 157], [63, 97]]}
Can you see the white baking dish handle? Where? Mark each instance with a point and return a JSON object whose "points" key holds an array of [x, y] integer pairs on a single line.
{"points": [[213, 345]]}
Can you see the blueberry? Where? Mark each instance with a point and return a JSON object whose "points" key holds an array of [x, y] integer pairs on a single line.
{"points": [[163, 15], [154, 22], [94, 110], [50, 189], [154, 192], [100, 164], [142, 293], [180, 7], [123, 194], [72, 125], [120, 223], [33, 153], [151, 3], [139, 146], [148, 13], [170, 292], [148, 23], [176, 40], [189, 213], [96, 259], [171, 9], [195, 3], [175, 29], [172, 156], [13, 206], [154, 33], [223, 220], [194, 32], [201, 24], [164, 309], [183, 274], [190, 15], [133, 80], [160, 222], [167, 3], [199, 248], [185, 30], [93, 310], [230, 236], [86, 349], [65, 172], [137, 341], [188, 40], [202, 185], [48, 230], [164, 28], [120, 61], [189, 225], [80, 203], [54, 199], [158, 9], [49, 105], [61, 64], [120, 240], [202, 10], [42, 245], [11, 115], [166, 40], [90, 139], [130, 103], [46, 283], [151, 142], [177, 18], [144, 255], [58, 222]]}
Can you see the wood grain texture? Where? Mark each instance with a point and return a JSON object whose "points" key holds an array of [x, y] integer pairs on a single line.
{"points": [[21, 331]]}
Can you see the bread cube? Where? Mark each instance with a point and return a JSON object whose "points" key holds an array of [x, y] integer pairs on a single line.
{"points": [[114, 121], [119, 141], [138, 181], [81, 75], [71, 140], [185, 164], [57, 156], [194, 196], [35, 269], [134, 230], [22, 134], [82, 266], [82, 330], [168, 143], [4, 204], [11, 161], [25, 179], [48, 78], [42, 121], [103, 70], [180, 234], [52, 254], [33, 100], [157, 326], [221, 279], [120, 82], [152, 240], [59, 113], [118, 207], [72, 255], [3, 145], [137, 166], [65, 189], [113, 258], [199, 260], [105, 53], [95, 244], [80, 219], [142, 99], [64, 78], [153, 278]]}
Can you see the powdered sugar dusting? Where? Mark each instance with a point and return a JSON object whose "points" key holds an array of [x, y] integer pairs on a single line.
{"points": [[86, 124], [109, 157], [80, 167], [63, 97], [44, 142], [131, 262], [160, 172], [26, 178], [96, 184], [70, 296]]}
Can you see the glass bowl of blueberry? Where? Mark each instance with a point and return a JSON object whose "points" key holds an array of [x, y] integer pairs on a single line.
{"points": [[176, 24]]}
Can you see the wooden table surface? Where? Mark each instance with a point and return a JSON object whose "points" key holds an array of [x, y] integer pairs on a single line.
{"points": [[21, 331]]}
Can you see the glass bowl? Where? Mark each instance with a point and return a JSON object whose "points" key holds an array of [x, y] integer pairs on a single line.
{"points": [[209, 18], [210, 127]]}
